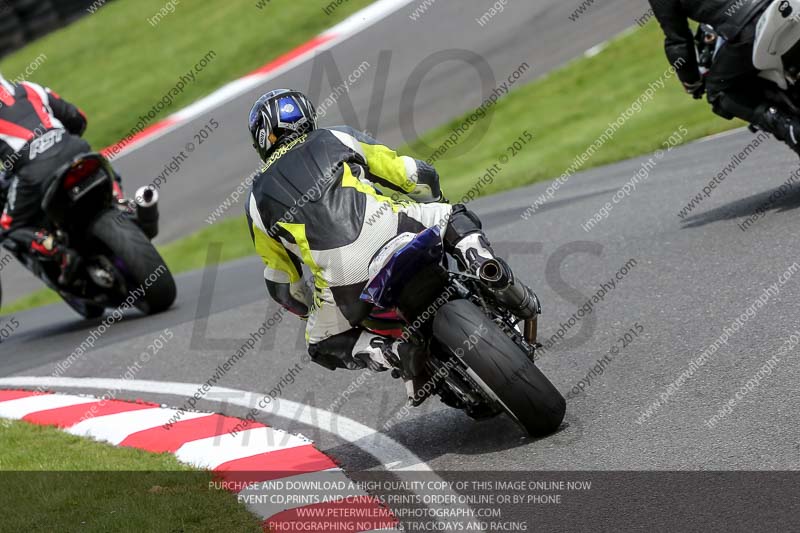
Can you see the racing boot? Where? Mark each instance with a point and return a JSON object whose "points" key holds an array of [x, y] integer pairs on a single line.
{"points": [[465, 241], [371, 352], [414, 372], [472, 252], [70, 263], [45, 246], [406, 360], [783, 126]]}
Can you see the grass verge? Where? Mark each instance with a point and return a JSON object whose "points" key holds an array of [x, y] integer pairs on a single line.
{"points": [[113, 98], [116, 65], [565, 111], [55, 480], [568, 110]]}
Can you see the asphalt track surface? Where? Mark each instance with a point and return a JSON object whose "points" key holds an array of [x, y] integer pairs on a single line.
{"points": [[692, 278], [538, 33]]}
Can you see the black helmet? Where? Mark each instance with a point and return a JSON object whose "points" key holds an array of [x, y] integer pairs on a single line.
{"points": [[279, 116]]}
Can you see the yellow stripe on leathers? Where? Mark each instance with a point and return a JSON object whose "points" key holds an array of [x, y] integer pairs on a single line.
{"points": [[385, 163], [274, 254], [298, 231], [348, 180]]}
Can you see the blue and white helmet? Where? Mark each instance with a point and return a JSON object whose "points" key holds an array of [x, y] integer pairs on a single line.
{"points": [[279, 116]]}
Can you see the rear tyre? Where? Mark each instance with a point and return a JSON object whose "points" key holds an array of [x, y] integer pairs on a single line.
{"points": [[500, 367], [85, 309], [137, 259]]}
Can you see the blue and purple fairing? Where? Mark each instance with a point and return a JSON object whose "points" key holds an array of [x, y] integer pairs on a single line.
{"points": [[385, 288]]}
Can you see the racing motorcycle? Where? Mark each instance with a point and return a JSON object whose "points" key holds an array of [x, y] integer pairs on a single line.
{"points": [[481, 357], [776, 52], [84, 210]]}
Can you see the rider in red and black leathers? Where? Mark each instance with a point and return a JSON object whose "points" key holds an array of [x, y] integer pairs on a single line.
{"points": [[29, 112], [734, 88]]}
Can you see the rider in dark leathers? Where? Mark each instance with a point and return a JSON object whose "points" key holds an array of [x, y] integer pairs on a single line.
{"points": [[328, 199], [733, 86], [33, 120]]}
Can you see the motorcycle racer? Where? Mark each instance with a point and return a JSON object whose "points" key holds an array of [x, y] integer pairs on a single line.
{"points": [[33, 119], [733, 86], [328, 199]]}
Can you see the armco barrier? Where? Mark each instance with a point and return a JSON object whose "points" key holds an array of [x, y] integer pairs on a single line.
{"points": [[22, 21]]}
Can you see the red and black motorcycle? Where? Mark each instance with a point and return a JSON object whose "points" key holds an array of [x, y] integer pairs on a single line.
{"points": [[84, 211]]}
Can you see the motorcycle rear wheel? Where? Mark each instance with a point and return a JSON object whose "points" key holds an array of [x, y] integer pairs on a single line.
{"points": [[85, 309], [500, 367], [138, 259]]}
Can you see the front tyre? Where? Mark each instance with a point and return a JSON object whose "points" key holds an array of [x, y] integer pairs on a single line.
{"points": [[500, 367], [137, 259]]}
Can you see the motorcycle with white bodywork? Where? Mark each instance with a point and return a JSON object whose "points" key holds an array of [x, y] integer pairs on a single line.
{"points": [[776, 52]]}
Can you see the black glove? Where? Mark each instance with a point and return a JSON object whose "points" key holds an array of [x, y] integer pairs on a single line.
{"points": [[697, 89]]}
